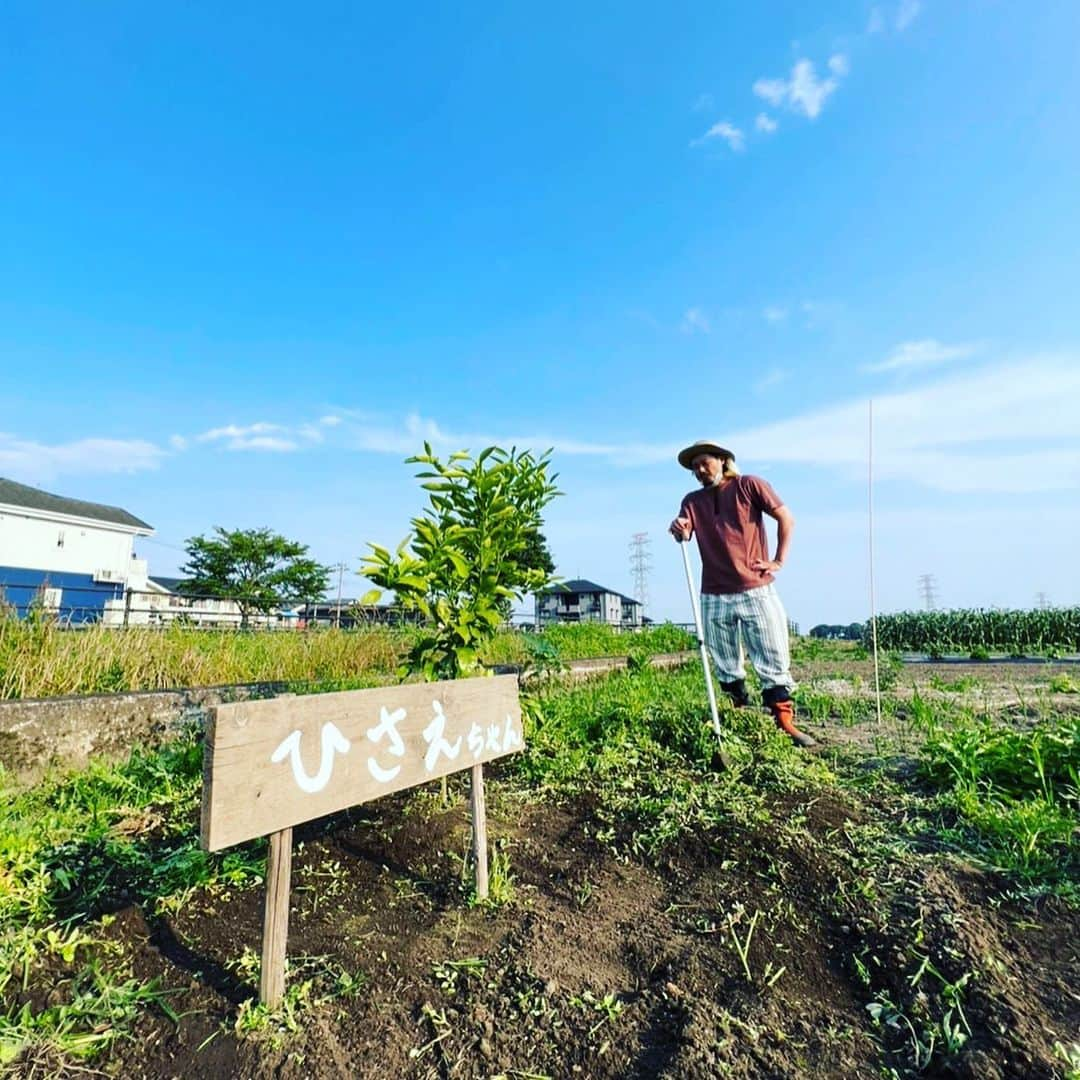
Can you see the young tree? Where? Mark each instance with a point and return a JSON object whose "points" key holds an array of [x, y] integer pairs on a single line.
{"points": [[535, 555], [464, 559], [256, 568]]}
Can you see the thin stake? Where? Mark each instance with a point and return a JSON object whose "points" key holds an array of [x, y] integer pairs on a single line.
{"points": [[870, 539], [479, 825], [276, 919], [701, 642]]}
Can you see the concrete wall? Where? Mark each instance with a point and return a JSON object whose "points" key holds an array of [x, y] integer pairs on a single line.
{"points": [[66, 732]]}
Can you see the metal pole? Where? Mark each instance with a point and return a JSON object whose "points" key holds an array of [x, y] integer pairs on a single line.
{"points": [[341, 573], [701, 641], [870, 550]]}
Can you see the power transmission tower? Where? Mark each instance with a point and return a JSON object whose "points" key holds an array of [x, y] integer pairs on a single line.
{"points": [[640, 565], [1042, 601], [928, 591], [340, 568]]}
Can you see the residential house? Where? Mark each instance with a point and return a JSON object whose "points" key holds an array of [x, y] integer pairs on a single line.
{"points": [[163, 602], [580, 600], [74, 559]]}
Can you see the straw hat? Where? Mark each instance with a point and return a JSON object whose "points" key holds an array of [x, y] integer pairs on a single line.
{"points": [[702, 446]]}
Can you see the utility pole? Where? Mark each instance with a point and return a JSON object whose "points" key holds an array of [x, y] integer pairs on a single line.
{"points": [[340, 568], [640, 564], [928, 591]]}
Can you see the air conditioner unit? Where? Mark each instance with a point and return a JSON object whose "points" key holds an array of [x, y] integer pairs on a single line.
{"points": [[109, 576]]}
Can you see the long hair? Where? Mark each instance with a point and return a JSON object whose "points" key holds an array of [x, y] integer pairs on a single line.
{"points": [[728, 467]]}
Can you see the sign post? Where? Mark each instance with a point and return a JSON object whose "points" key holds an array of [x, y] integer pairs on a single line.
{"points": [[271, 765], [479, 831]]}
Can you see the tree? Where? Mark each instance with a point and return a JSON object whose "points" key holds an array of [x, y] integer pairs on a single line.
{"points": [[466, 556], [256, 568], [534, 555]]}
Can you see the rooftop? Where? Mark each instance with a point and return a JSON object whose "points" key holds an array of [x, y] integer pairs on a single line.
{"points": [[31, 498], [583, 585]]}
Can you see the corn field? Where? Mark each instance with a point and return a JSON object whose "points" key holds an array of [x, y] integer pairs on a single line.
{"points": [[981, 630]]}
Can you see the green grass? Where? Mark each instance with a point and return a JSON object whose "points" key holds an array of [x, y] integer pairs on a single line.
{"points": [[75, 849], [1012, 792], [642, 743]]}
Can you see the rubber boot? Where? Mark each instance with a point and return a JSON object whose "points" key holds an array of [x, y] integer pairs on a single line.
{"points": [[737, 692], [783, 711]]}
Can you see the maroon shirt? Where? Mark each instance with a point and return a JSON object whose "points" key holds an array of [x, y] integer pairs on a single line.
{"points": [[727, 521]]}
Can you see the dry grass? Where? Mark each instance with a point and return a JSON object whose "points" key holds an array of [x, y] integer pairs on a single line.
{"points": [[39, 659]]}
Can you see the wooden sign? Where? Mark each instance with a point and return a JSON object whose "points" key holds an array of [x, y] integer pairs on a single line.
{"points": [[270, 765], [273, 764]]}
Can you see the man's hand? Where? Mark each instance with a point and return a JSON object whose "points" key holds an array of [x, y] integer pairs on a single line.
{"points": [[766, 567], [680, 529]]}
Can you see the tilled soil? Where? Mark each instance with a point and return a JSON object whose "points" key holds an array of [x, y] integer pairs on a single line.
{"points": [[751, 952]]}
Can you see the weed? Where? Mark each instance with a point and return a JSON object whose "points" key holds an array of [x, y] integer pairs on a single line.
{"points": [[742, 947], [1070, 1055], [451, 974], [609, 1007], [500, 879]]}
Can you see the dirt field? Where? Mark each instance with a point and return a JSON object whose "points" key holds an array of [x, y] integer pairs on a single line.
{"points": [[609, 968], [806, 945]]}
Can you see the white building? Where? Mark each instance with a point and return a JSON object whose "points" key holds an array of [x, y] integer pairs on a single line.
{"points": [[162, 601], [73, 558], [585, 601]]}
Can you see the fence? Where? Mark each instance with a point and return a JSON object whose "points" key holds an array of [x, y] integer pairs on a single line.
{"points": [[112, 605]]}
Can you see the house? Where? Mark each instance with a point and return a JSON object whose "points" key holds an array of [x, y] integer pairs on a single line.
{"points": [[585, 601], [163, 601], [73, 558], [350, 614]]}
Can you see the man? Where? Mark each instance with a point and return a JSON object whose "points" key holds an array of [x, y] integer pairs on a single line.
{"points": [[738, 599]]}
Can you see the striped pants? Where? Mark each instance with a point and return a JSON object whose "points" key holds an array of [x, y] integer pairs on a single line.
{"points": [[756, 620]]}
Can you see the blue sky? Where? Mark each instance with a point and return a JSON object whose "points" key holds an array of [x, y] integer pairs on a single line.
{"points": [[250, 259]]}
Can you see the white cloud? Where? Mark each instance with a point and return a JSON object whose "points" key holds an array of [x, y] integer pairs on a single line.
{"points": [[35, 463], [803, 92], [910, 355], [264, 443], [723, 130], [703, 103], [330, 421], [178, 442], [1011, 428], [806, 93], [775, 314], [907, 13], [774, 91], [232, 431], [764, 122], [876, 23], [695, 321], [265, 436]]}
